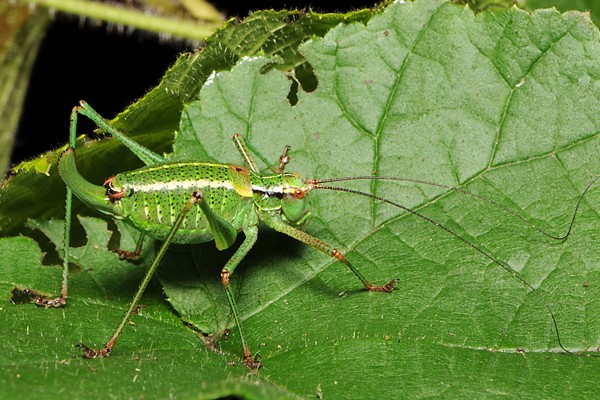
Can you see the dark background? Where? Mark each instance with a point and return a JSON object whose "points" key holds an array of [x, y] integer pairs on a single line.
{"points": [[79, 59]]}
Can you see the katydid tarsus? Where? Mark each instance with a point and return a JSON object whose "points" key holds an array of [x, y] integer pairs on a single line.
{"points": [[196, 202]]}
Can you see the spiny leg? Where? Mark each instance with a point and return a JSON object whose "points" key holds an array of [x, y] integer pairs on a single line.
{"points": [[40, 300], [251, 234], [224, 235], [146, 155], [62, 299], [105, 351], [318, 244]]}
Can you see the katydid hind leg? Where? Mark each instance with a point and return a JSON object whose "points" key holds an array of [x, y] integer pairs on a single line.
{"points": [[41, 300], [89, 352], [143, 153], [146, 155], [61, 300]]}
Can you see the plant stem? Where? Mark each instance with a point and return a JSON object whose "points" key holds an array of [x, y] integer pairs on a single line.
{"points": [[177, 27]]}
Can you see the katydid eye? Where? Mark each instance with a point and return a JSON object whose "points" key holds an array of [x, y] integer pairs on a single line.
{"points": [[299, 193]]}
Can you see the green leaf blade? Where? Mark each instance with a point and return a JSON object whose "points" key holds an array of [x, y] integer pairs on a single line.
{"points": [[425, 90], [457, 114]]}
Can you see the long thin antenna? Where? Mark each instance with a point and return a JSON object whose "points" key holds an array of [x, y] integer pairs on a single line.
{"points": [[315, 185], [474, 195]]}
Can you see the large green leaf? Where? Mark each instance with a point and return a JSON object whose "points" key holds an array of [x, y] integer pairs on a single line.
{"points": [[501, 104]]}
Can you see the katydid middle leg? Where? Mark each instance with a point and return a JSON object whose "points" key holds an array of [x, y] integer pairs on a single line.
{"points": [[131, 255], [251, 234]]}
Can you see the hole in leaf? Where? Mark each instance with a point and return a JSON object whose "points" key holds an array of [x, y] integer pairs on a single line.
{"points": [[304, 76], [293, 93], [25, 296]]}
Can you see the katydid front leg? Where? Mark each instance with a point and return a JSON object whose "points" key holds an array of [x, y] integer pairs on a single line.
{"points": [[318, 244]]}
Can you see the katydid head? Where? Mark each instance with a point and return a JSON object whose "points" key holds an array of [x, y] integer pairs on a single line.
{"points": [[283, 193], [294, 203]]}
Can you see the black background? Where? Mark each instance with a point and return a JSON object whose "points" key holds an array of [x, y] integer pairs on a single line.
{"points": [[80, 59]]}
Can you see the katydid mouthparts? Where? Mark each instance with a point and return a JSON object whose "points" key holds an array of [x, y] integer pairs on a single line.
{"points": [[197, 202]]}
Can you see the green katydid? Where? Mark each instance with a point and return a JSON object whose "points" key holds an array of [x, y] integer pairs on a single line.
{"points": [[196, 202]]}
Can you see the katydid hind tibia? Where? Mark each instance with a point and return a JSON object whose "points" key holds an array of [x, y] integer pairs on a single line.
{"points": [[197, 202]]}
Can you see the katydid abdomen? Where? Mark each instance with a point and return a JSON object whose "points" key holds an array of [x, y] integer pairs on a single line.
{"points": [[151, 198]]}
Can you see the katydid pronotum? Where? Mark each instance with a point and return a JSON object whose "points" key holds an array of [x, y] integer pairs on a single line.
{"points": [[196, 202]]}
